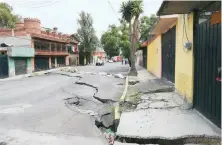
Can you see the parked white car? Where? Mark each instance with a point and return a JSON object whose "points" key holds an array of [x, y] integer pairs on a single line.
{"points": [[110, 61], [99, 62]]}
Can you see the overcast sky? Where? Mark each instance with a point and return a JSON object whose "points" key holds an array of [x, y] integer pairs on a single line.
{"points": [[64, 13]]}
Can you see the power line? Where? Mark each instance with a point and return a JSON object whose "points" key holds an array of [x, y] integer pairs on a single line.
{"points": [[113, 9]]}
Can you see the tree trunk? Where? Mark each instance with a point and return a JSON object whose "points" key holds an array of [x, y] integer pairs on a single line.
{"points": [[133, 71]]}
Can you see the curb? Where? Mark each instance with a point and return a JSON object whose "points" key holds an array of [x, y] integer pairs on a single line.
{"points": [[117, 113], [122, 98], [31, 74]]}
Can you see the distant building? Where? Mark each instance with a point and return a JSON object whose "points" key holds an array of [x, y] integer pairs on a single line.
{"points": [[99, 53]]}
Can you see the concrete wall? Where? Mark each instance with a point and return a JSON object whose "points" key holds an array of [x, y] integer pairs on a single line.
{"points": [[154, 57], [29, 65], [67, 60], [19, 41], [20, 52], [11, 67], [184, 60]]}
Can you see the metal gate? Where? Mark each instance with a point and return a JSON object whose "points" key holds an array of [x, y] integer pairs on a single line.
{"points": [[53, 62], [61, 61], [3, 66], [41, 63], [207, 67], [168, 54], [20, 66], [145, 57]]}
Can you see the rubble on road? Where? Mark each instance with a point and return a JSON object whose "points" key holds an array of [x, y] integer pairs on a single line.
{"points": [[119, 76], [70, 69], [133, 82], [102, 73]]}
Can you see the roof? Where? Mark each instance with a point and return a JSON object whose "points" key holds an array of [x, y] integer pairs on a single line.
{"points": [[76, 38], [45, 37], [181, 7], [163, 24], [144, 44]]}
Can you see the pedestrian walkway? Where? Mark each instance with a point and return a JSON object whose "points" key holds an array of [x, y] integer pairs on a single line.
{"points": [[160, 113]]}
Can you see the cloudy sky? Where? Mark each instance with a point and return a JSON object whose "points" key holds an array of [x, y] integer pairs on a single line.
{"points": [[64, 13]]}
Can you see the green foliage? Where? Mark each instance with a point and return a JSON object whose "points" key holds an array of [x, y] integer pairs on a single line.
{"points": [[124, 40], [7, 19], [110, 41], [146, 24], [86, 33], [137, 7], [126, 10]]}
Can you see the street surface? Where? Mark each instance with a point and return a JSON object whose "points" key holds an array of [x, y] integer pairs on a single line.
{"points": [[37, 110]]}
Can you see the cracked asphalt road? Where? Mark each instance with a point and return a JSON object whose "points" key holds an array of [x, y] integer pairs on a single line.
{"points": [[33, 110]]}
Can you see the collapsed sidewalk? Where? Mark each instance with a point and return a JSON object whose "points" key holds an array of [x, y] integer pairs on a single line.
{"points": [[153, 112]]}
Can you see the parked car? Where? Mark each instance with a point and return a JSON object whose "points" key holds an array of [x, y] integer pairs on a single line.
{"points": [[110, 61], [99, 62]]}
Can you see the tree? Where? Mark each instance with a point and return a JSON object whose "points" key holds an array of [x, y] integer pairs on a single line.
{"points": [[132, 10], [124, 40], [7, 19], [126, 11], [146, 24], [86, 33], [110, 41]]}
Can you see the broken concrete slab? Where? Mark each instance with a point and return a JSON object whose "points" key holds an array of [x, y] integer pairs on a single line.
{"points": [[105, 109], [165, 124], [155, 86], [107, 120], [119, 76], [163, 100]]}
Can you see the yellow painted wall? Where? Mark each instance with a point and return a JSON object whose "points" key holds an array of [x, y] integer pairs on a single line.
{"points": [[184, 60], [154, 57]]}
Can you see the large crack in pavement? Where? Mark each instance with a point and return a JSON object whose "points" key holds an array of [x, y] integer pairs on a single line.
{"points": [[104, 107]]}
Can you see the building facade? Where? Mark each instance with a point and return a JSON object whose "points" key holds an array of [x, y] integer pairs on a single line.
{"points": [[99, 53], [50, 46], [187, 52]]}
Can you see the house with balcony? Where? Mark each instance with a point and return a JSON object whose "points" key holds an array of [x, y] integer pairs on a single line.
{"points": [[50, 46]]}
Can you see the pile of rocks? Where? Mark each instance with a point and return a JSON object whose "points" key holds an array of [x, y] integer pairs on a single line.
{"points": [[70, 69]]}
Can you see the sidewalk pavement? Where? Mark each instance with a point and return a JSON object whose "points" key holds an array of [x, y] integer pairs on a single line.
{"points": [[156, 111], [33, 74]]}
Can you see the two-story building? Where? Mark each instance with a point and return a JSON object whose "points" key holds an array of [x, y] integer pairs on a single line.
{"points": [[50, 46]]}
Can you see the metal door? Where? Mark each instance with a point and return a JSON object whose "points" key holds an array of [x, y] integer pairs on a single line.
{"points": [[53, 62], [168, 54], [145, 57], [20, 66], [3, 66], [41, 63], [207, 67], [61, 61]]}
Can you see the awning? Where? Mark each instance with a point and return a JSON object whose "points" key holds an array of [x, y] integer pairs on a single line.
{"points": [[163, 24], [181, 7]]}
